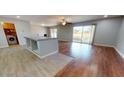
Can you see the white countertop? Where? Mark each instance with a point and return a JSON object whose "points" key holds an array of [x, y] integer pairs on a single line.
{"points": [[39, 38]]}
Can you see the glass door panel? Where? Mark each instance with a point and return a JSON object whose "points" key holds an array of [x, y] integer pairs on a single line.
{"points": [[87, 34], [84, 34], [77, 34]]}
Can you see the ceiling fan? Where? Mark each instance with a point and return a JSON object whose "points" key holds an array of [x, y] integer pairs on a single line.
{"points": [[63, 21]]}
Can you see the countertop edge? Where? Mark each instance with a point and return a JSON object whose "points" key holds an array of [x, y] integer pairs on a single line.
{"points": [[40, 39]]}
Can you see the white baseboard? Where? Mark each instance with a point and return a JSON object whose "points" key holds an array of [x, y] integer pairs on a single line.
{"points": [[110, 46], [50, 54], [105, 45], [25, 46], [41, 57], [4, 46], [33, 53], [64, 40], [119, 52]]}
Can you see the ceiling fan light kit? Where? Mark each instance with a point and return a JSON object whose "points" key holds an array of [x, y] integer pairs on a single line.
{"points": [[64, 22]]}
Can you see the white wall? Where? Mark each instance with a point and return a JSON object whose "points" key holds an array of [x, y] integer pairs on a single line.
{"points": [[120, 40], [65, 33], [38, 30], [22, 29], [3, 41], [106, 30]]}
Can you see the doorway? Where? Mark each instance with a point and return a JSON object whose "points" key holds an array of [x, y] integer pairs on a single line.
{"points": [[84, 34], [10, 33]]}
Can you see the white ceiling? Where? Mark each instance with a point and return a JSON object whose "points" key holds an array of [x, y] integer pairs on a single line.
{"points": [[51, 20]]}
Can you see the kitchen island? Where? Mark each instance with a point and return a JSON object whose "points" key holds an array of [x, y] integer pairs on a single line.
{"points": [[42, 46]]}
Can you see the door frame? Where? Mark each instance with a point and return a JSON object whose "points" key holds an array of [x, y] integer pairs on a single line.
{"points": [[6, 34], [94, 34]]}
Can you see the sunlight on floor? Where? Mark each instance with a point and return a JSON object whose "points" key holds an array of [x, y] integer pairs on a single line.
{"points": [[81, 50]]}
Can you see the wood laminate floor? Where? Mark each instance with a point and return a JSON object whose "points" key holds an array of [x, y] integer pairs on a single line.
{"points": [[17, 61], [87, 61], [91, 61]]}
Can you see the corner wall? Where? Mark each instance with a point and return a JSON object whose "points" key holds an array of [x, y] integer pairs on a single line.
{"points": [[120, 40], [3, 40]]}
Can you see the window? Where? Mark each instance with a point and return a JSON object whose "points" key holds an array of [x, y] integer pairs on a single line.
{"points": [[53, 33]]}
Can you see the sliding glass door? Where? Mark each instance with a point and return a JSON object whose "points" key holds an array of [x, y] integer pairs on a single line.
{"points": [[84, 34], [77, 34]]}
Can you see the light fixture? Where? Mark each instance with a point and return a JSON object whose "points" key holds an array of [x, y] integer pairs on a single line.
{"points": [[42, 24], [17, 16], [63, 22], [105, 16], [1, 23]]}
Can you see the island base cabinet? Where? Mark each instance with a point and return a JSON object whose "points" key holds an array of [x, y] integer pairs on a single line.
{"points": [[42, 47], [48, 47]]}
